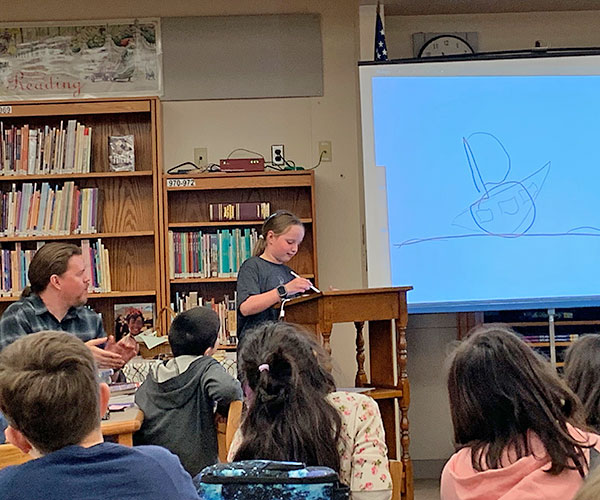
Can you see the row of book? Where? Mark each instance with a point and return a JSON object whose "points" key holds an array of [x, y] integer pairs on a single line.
{"points": [[14, 266], [227, 311], [97, 263], [49, 150], [559, 337], [33, 211], [259, 210], [209, 255]]}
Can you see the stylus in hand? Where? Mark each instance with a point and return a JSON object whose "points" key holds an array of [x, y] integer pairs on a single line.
{"points": [[313, 288]]}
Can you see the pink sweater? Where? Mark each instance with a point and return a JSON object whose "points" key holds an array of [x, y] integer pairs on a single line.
{"points": [[523, 479]]}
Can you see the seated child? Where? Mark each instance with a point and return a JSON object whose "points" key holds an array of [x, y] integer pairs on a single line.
{"points": [[295, 413], [179, 396], [582, 374], [51, 398], [517, 425]]}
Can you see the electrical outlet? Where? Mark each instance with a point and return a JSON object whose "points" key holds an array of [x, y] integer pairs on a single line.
{"points": [[201, 157], [325, 151], [277, 156]]}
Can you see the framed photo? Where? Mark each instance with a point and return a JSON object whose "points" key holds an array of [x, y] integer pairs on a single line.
{"points": [[80, 59], [133, 318]]}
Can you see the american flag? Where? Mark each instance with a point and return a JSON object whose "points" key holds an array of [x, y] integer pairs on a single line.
{"points": [[380, 47]]}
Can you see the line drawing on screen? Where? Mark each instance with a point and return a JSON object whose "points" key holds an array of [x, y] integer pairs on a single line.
{"points": [[506, 208]]}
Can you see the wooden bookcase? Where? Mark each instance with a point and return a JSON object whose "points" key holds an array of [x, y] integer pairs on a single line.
{"points": [[186, 200], [129, 209], [571, 322]]}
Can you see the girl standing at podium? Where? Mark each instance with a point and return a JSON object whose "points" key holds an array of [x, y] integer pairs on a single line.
{"points": [[264, 280]]}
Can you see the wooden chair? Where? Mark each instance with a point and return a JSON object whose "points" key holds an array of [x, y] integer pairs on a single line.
{"points": [[226, 429], [11, 455], [396, 473]]}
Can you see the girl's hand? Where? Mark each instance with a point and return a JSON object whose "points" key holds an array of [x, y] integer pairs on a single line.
{"points": [[297, 285]]}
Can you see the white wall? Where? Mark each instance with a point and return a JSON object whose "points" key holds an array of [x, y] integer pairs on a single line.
{"points": [[499, 31]]}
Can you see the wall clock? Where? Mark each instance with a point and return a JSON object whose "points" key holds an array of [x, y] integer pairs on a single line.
{"points": [[444, 44]]}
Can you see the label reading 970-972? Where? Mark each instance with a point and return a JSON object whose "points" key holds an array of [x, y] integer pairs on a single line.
{"points": [[180, 183]]}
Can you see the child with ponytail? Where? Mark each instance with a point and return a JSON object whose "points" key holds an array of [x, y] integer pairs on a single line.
{"points": [[264, 279], [294, 412]]}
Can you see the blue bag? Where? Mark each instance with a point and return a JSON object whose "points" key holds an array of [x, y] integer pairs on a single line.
{"points": [[269, 480]]}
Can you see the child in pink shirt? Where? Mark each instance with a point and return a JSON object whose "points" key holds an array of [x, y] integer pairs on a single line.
{"points": [[517, 425]]}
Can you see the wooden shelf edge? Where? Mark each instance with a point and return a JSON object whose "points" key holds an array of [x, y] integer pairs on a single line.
{"points": [[175, 281], [176, 225], [525, 323], [91, 106], [90, 236], [383, 393], [201, 280], [244, 180], [102, 295], [227, 347], [91, 175], [547, 344]]}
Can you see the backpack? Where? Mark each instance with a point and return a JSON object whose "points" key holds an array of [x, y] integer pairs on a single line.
{"points": [[269, 480]]}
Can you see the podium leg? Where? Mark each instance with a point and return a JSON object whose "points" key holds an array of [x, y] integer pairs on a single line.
{"points": [[361, 376], [325, 333], [404, 404]]}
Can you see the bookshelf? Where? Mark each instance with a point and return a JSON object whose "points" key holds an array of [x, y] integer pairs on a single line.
{"points": [[186, 201], [535, 326], [128, 209]]}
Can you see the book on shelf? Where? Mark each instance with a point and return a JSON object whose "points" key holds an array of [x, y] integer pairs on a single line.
{"points": [[135, 318], [197, 254], [97, 263], [121, 153], [40, 210], [246, 211], [15, 262], [26, 150], [226, 310]]}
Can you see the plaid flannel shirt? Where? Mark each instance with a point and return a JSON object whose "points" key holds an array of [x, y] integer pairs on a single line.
{"points": [[30, 315]]}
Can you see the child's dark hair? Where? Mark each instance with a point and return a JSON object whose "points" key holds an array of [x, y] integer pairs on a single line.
{"points": [[193, 331], [500, 390], [582, 374], [288, 416], [278, 222]]}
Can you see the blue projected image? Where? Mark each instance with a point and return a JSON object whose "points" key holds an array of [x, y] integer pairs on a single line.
{"points": [[493, 188]]}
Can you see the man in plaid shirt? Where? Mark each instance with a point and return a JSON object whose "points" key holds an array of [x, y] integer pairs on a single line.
{"points": [[56, 301]]}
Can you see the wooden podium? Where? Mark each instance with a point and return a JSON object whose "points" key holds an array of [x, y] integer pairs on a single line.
{"points": [[384, 310]]}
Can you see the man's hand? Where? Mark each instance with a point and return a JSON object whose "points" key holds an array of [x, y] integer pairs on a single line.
{"points": [[105, 358], [127, 347]]}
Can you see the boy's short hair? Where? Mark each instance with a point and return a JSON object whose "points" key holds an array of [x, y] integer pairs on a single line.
{"points": [[193, 331], [49, 389]]}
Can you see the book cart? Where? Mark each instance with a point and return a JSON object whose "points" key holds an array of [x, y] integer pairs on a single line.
{"points": [[208, 271], [123, 218]]}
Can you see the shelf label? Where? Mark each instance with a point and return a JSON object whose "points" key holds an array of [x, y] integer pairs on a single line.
{"points": [[181, 183], [5, 110]]}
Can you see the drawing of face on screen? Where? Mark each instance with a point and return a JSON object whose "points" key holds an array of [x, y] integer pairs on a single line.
{"points": [[505, 207]]}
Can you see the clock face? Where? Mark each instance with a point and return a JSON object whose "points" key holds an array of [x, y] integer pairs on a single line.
{"points": [[445, 45]]}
